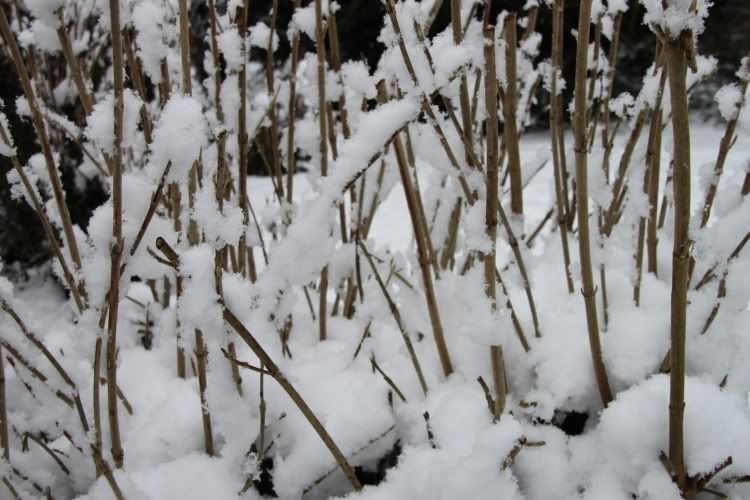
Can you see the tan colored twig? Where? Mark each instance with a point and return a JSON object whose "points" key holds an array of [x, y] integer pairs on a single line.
{"points": [[243, 256], [323, 145], [388, 380], [491, 211], [653, 157], [558, 153], [117, 245], [276, 373], [397, 318], [725, 145], [510, 110], [677, 63], [4, 441], [420, 235], [584, 242], [516, 249], [292, 118]]}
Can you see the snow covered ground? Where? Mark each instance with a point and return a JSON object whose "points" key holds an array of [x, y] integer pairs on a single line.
{"points": [[446, 444]]}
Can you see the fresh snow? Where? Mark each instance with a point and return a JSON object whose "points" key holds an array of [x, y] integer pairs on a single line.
{"points": [[440, 443]]}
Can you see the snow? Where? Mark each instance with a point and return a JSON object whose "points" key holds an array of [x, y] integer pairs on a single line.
{"points": [[438, 443], [45, 37], [179, 137], [230, 46], [100, 124], [45, 11], [220, 228], [617, 6], [622, 104], [304, 20], [147, 19], [163, 439], [743, 73], [729, 98], [678, 15], [22, 107], [261, 35], [357, 78], [6, 148], [199, 307]]}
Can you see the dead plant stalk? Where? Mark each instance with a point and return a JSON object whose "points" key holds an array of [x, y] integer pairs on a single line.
{"points": [[677, 66], [321, 58], [423, 254], [491, 101], [584, 239], [117, 245]]}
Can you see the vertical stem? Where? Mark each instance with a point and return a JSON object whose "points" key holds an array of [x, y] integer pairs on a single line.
{"points": [[724, 146], [222, 178], [584, 240], [468, 126], [422, 252], [516, 249], [653, 198], [242, 251], [609, 82], [165, 86], [116, 250], [290, 148], [653, 155], [510, 110], [333, 40], [561, 187], [201, 355], [321, 53], [420, 204], [272, 109], [490, 97], [559, 28], [181, 366], [193, 232], [97, 446], [136, 77], [75, 69], [3, 412], [677, 66], [607, 145]]}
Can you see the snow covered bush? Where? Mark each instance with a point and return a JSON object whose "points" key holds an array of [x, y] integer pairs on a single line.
{"points": [[393, 311]]}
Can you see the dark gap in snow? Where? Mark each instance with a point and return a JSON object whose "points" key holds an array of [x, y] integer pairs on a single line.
{"points": [[264, 483], [370, 476], [571, 423]]}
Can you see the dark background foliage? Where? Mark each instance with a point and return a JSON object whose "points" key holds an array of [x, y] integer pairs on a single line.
{"points": [[22, 242]]}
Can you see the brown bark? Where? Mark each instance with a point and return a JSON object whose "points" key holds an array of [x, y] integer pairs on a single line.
{"points": [[422, 252], [510, 110], [677, 66], [321, 56], [584, 242], [491, 101], [116, 250], [561, 185]]}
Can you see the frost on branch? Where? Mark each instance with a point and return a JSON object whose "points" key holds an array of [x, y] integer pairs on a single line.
{"points": [[679, 15], [179, 137], [729, 98], [100, 123]]}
